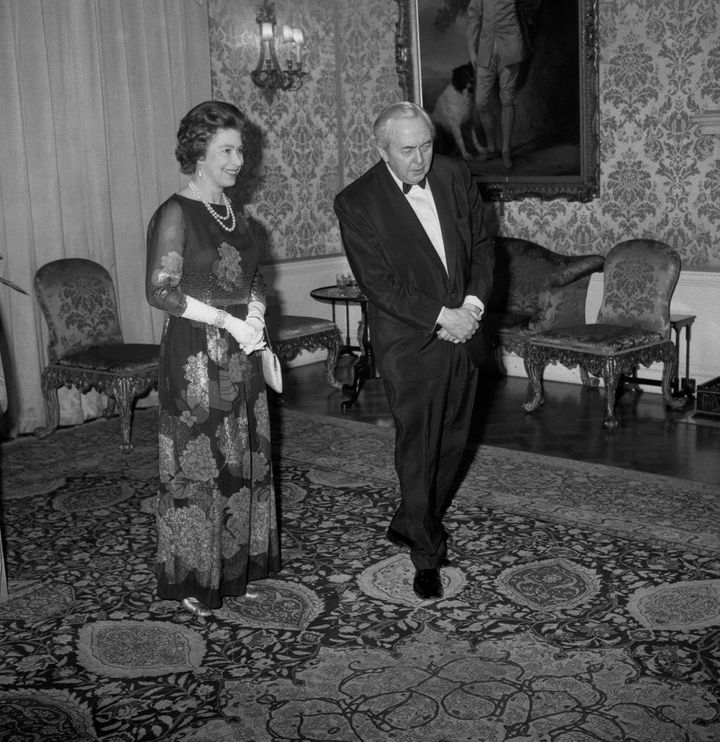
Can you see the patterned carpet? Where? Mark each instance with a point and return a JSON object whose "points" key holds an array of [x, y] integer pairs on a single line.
{"points": [[582, 603]]}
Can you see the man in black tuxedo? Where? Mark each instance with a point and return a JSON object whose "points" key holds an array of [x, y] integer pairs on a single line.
{"points": [[413, 232]]}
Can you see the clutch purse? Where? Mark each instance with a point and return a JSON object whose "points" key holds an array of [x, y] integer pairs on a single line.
{"points": [[271, 367]]}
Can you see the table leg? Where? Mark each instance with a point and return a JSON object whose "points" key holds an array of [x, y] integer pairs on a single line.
{"points": [[675, 385], [687, 385], [346, 347], [682, 386], [364, 367], [679, 386]]}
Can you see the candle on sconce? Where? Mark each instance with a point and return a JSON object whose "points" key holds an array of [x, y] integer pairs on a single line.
{"points": [[281, 50], [299, 40], [266, 32]]}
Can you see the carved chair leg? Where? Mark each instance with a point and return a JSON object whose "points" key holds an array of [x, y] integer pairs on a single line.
{"points": [[125, 391], [611, 378], [587, 381], [331, 363], [109, 408], [534, 370], [52, 407], [669, 373]]}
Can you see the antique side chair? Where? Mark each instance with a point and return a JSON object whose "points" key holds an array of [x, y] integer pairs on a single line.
{"points": [[291, 334], [86, 346], [632, 328]]}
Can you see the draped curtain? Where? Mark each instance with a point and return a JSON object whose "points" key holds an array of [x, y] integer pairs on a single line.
{"points": [[91, 94]]}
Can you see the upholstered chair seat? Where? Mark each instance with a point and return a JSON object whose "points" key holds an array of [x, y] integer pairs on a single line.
{"points": [[86, 347], [114, 359], [632, 328], [600, 339]]}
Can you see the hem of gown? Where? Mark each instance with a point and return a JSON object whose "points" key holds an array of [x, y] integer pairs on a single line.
{"points": [[212, 598]]}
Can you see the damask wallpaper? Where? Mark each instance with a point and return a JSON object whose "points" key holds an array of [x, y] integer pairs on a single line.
{"points": [[660, 176], [317, 138]]}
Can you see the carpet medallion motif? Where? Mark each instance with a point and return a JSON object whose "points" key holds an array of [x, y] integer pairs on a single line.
{"points": [[391, 580], [549, 585], [575, 607], [274, 604], [56, 716], [682, 606], [138, 648], [90, 492], [34, 600]]}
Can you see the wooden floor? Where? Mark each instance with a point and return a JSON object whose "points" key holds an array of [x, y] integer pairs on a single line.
{"points": [[569, 425]]}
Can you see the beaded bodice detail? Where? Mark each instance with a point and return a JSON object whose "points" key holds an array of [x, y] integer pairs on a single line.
{"points": [[192, 256], [208, 288]]}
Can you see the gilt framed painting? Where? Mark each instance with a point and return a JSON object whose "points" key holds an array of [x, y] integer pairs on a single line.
{"points": [[528, 115]]}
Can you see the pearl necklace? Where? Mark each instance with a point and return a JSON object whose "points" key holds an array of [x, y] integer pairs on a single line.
{"points": [[226, 203]]}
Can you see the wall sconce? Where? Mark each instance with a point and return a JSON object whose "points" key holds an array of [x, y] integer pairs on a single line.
{"points": [[268, 75]]}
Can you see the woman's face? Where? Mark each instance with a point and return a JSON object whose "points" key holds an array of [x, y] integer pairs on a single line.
{"points": [[223, 159]]}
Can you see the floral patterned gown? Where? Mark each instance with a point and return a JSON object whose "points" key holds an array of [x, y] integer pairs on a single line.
{"points": [[216, 515]]}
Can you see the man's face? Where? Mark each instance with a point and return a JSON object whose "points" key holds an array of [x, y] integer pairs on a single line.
{"points": [[410, 149]]}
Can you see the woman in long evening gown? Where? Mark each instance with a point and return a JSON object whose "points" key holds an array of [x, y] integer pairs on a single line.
{"points": [[216, 515]]}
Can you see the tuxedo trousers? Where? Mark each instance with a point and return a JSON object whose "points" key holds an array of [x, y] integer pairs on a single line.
{"points": [[432, 421]]}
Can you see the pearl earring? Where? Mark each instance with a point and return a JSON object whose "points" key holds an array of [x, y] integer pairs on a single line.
{"points": [[199, 172]]}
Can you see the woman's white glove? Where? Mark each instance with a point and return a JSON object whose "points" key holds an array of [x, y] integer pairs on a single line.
{"points": [[249, 336], [256, 319]]}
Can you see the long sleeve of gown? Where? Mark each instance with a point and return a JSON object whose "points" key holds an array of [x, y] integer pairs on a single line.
{"points": [[258, 290], [165, 250]]}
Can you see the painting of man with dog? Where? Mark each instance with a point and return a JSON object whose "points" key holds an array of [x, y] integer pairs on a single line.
{"points": [[506, 83]]}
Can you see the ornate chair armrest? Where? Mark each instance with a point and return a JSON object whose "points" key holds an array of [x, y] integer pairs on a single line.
{"points": [[582, 266], [561, 306], [561, 303]]}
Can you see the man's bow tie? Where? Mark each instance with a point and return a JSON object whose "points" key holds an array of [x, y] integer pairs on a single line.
{"points": [[408, 186]]}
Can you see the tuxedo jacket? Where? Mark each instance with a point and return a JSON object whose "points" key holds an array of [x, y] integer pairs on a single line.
{"points": [[402, 275]]}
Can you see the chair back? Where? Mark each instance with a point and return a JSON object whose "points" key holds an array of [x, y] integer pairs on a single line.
{"points": [[640, 278], [77, 298]]}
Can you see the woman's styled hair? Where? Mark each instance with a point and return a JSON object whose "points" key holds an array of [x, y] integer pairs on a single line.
{"points": [[396, 112], [199, 126]]}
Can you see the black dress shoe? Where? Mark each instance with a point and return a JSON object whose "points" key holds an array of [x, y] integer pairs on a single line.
{"points": [[398, 539], [427, 584]]}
